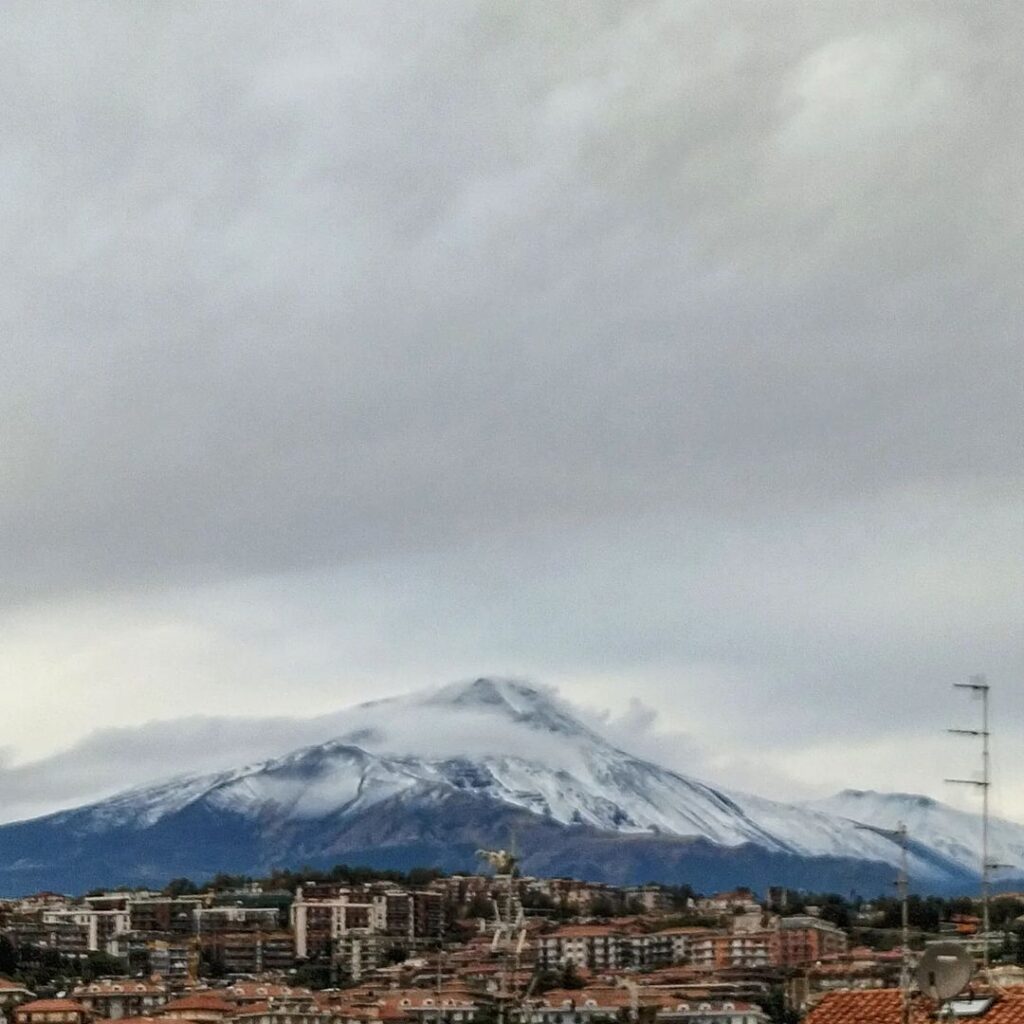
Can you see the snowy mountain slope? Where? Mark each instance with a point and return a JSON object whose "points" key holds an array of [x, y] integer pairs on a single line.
{"points": [[465, 757], [951, 833]]}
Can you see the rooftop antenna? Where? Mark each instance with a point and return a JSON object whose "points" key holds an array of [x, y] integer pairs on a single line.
{"points": [[440, 963], [509, 928], [979, 688], [899, 834]]}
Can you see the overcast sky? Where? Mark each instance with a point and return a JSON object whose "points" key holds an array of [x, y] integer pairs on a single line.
{"points": [[660, 352]]}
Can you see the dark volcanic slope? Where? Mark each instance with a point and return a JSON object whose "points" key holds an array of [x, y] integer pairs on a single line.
{"points": [[65, 853]]}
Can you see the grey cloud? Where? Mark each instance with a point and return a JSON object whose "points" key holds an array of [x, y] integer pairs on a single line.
{"points": [[330, 283], [670, 343], [110, 760]]}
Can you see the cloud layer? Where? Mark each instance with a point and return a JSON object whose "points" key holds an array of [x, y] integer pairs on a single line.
{"points": [[660, 350]]}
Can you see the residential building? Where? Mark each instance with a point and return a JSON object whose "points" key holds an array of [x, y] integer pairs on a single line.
{"points": [[803, 940], [199, 1007], [115, 998], [13, 994], [52, 1011]]}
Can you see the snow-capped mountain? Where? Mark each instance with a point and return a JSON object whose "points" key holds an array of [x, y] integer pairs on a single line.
{"points": [[952, 833], [428, 777]]}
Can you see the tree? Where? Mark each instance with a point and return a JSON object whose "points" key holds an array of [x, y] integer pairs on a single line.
{"points": [[181, 887], [774, 1005], [602, 906], [479, 906], [8, 956], [101, 965], [211, 965], [546, 981], [314, 976], [679, 896], [222, 881], [570, 977]]}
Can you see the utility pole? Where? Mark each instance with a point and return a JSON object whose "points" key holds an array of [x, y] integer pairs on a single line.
{"points": [[978, 687]]}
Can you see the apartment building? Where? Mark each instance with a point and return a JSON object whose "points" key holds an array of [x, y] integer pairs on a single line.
{"points": [[165, 915], [717, 950], [805, 940], [354, 928], [219, 920], [249, 952], [605, 947]]}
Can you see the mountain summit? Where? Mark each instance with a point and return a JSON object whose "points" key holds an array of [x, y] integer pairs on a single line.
{"points": [[429, 777]]}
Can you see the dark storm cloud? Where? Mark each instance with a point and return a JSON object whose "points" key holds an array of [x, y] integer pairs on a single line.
{"points": [[672, 334]]}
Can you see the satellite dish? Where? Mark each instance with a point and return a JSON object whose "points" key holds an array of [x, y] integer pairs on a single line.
{"points": [[944, 971]]}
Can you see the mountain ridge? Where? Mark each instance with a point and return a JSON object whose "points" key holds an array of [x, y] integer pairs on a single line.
{"points": [[508, 752]]}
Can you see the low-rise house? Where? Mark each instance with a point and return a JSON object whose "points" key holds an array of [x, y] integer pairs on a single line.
{"points": [[454, 1004], [707, 1012], [53, 1011], [577, 1006], [246, 993], [292, 1012], [201, 1007], [117, 998], [450, 1005], [12, 994]]}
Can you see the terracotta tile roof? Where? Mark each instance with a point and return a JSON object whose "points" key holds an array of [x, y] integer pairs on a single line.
{"points": [[882, 1006], [52, 1006], [581, 931], [6, 985], [253, 1009], [200, 1001], [247, 990], [579, 996], [120, 986]]}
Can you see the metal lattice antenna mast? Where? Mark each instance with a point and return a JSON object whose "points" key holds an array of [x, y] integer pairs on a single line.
{"points": [[904, 889], [439, 982], [899, 833], [979, 688]]}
